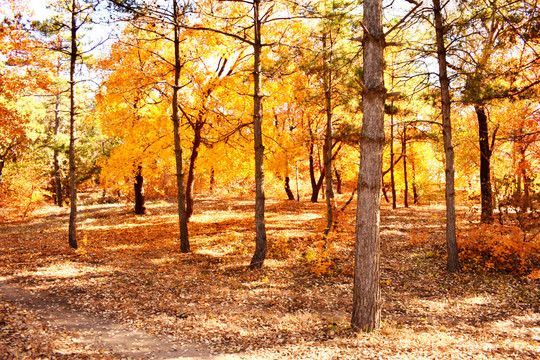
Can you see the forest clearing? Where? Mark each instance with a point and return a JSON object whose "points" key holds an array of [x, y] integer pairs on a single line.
{"points": [[129, 269], [267, 179]]}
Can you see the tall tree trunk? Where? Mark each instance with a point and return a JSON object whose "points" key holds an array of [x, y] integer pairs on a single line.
{"points": [[366, 310], [139, 196], [260, 230], [392, 178], [56, 164], [184, 237], [328, 137], [485, 165], [450, 195], [72, 180], [405, 179], [191, 173]]}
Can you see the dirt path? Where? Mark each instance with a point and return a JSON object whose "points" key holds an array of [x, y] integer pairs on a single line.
{"points": [[93, 331]]}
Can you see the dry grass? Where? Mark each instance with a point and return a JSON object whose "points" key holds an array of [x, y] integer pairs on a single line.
{"points": [[129, 267]]}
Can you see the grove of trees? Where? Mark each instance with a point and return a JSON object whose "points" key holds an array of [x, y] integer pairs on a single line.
{"points": [[400, 102]]}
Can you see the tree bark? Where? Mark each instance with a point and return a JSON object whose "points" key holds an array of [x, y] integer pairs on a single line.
{"points": [[184, 237], [139, 196], [392, 178], [366, 310], [405, 179], [56, 164], [328, 137], [191, 172], [260, 240], [72, 231], [450, 196], [485, 165], [315, 185]]}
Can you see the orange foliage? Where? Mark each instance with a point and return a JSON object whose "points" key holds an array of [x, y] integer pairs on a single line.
{"points": [[500, 248]]}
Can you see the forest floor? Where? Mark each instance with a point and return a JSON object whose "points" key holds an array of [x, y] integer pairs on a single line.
{"points": [[128, 292]]}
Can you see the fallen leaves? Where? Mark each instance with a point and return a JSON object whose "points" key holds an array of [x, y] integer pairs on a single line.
{"points": [[132, 271]]}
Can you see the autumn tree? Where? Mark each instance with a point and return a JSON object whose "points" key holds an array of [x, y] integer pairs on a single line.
{"points": [[366, 297], [450, 195], [130, 108], [73, 16], [493, 47], [244, 22]]}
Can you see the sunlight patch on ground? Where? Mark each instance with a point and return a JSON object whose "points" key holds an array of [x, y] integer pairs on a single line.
{"points": [[66, 270], [209, 217], [294, 218], [123, 247]]}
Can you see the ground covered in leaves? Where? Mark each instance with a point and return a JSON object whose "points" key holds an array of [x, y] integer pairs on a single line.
{"points": [[129, 269]]}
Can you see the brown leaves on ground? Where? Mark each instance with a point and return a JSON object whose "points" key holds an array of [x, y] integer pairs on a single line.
{"points": [[130, 269]]}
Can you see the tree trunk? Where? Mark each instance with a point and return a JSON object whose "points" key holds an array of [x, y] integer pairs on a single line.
{"points": [[525, 202], [414, 186], [212, 179], [139, 197], [339, 185], [328, 137], [450, 195], [405, 179], [392, 179], [56, 164], [72, 180], [184, 238], [485, 165], [191, 173], [288, 190], [260, 230], [315, 185], [366, 310]]}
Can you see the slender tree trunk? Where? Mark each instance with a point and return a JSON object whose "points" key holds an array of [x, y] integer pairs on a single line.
{"points": [[450, 195], [315, 185], [414, 185], [139, 195], [339, 185], [56, 163], [184, 237], [405, 179], [260, 230], [366, 310], [290, 195], [525, 202], [297, 189], [392, 178], [212, 179], [191, 173], [328, 137], [72, 180], [485, 166]]}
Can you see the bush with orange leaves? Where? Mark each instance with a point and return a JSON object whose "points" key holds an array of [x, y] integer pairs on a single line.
{"points": [[21, 192], [495, 247]]}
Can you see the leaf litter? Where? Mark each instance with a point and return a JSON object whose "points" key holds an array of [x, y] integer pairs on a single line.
{"points": [[129, 271]]}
